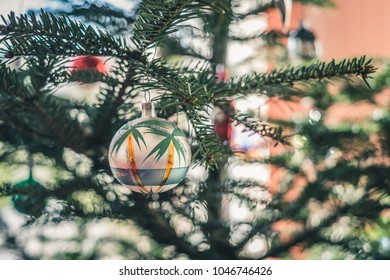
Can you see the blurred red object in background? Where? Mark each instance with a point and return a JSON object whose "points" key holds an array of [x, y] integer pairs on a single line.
{"points": [[222, 124], [88, 62]]}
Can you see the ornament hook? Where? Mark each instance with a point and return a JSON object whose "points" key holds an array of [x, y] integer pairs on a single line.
{"points": [[148, 110], [30, 164], [147, 96]]}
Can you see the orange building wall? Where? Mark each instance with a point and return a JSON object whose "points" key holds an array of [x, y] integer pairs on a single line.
{"points": [[352, 28]]}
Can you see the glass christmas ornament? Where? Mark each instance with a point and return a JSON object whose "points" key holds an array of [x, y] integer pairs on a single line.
{"points": [[33, 204], [302, 43], [88, 62], [149, 154], [223, 122], [29, 204], [221, 73]]}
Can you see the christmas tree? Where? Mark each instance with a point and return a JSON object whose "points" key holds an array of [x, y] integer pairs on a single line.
{"points": [[72, 77]]}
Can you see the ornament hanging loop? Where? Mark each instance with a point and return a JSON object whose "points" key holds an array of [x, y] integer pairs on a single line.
{"points": [[148, 110], [147, 96], [30, 164]]}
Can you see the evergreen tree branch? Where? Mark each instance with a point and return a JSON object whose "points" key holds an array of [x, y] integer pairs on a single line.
{"points": [[12, 84], [264, 6], [150, 25], [113, 97], [310, 233], [216, 229], [209, 145], [160, 229], [264, 130], [313, 232], [11, 241], [40, 113], [171, 46], [261, 8], [270, 37], [45, 34], [105, 15], [62, 133], [86, 76], [156, 19], [192, 94], [319, 71], [195, 106]]}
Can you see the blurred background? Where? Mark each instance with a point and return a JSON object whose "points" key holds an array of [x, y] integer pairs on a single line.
{"points": [[338, 154]]}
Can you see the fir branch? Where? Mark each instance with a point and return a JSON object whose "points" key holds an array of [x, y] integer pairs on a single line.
{"points": [[192, 94], [159, 227], [11, 241], [7, 189], [150, 24], [156, 19], [28, 106], [261, 8], [319, 71], [309, 233], [45, 34], [87, 76], [171, 46], [272, 37], [113, 97], [62, 73], [105, 15], [15, 92], [264, 130], [264, 6], [19, 126], [209, 144], [60, 129], [210, 148], [12, 83]]}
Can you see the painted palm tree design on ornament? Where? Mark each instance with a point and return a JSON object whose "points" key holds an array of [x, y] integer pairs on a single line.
{"points": [[169, 144]]}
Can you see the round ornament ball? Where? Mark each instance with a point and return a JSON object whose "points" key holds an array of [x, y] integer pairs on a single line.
{"points": [[149, 154], [89, 62], [33, 204], [302, 43]]}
